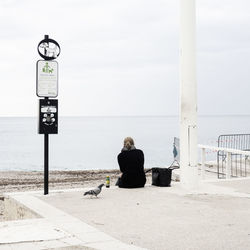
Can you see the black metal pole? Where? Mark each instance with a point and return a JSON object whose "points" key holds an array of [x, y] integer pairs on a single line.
{"points": [[46, 37], [46, 161], [46, 164]]}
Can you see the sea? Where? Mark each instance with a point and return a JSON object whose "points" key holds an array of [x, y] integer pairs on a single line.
{"points": [[86, 143]]}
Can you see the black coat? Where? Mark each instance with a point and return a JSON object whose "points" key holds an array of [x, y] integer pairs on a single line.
{"points": [[132, 167]]}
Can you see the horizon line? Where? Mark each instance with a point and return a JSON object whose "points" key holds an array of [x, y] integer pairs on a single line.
{"points": [[114, 116]]}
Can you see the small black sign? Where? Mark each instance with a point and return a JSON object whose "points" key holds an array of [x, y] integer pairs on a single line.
{"points": [[48, 116]]}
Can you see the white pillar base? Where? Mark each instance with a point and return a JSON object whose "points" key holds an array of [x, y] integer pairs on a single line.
{"points": [[189, 177]]}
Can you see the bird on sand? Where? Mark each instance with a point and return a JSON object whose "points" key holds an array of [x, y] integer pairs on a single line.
{"points": [[94, 191]]}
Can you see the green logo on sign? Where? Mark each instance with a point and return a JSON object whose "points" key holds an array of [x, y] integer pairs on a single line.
{"points": [[47, 68]]}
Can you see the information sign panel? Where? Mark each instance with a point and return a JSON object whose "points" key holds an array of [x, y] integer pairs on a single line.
{"points": [[46, 78]]}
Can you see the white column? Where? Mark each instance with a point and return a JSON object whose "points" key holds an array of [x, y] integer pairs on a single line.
{"points": [[188, 96]]}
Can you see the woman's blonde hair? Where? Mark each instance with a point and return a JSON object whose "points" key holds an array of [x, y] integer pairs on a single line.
{"points": [[128, 142]]}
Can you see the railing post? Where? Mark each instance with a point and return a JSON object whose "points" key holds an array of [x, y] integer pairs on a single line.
{"points": [[203, 160], [228, 165]]}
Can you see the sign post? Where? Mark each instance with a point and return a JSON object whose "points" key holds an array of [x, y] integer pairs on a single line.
{"points": [[46, 164], [47, 87]]}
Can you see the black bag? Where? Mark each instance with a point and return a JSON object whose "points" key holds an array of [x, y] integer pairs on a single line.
{"points": [[162, 176]]}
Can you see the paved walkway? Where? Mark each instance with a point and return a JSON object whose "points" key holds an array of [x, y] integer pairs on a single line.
{"points": [[215, 216]]}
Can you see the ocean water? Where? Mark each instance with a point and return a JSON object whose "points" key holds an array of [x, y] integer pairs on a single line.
{"points": [[94, 142]]}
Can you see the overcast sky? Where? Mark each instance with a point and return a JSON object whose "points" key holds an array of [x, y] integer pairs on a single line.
{"points": [[122, 57]]}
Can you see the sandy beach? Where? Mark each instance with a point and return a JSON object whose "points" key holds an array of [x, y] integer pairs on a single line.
{"points": [[14, 181]]}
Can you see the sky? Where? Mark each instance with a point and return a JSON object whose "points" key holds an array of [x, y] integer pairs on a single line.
{"points": [[121, 58]]}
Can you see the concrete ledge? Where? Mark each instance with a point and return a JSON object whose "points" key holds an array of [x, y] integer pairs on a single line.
{"points": [[16, 211]]}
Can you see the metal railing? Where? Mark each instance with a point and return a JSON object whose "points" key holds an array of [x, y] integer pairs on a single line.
{"points": [[229, 163], [239, 162]]}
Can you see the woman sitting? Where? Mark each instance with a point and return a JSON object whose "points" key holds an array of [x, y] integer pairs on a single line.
{"points": [[131, 162]]}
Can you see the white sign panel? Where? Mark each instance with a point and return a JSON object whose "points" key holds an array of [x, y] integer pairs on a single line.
{"points": [[47, 78]]}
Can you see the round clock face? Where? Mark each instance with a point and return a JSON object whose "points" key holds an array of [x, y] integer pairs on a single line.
{"points": [[48, 49]]}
